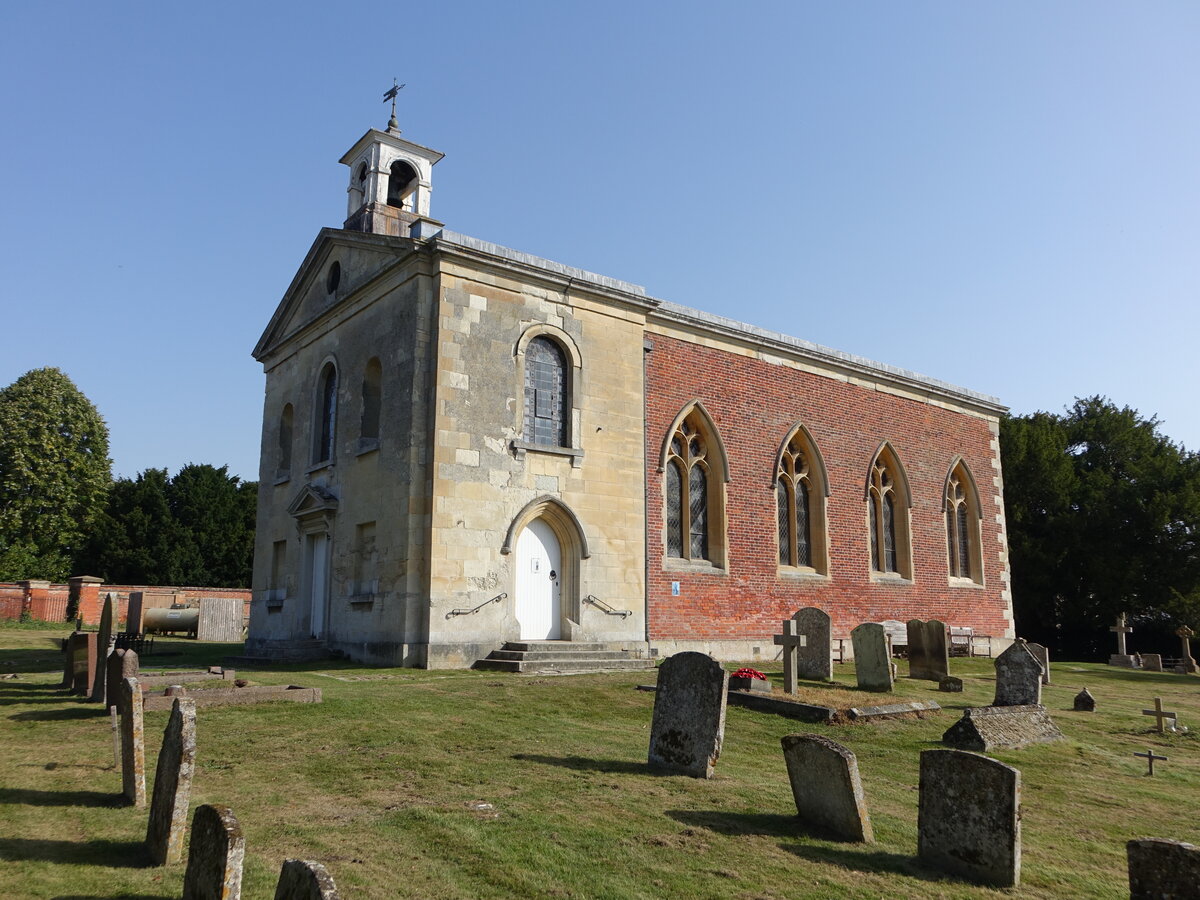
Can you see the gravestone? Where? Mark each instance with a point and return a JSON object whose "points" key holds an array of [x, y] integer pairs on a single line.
{"points": [[215, 855], [689, 714], [826, 786], [103, 648], [1018, 677], [133, 743], [68, 680], [172, 785], [1084, 701], [1152, 662], [1187, 665], [1159, 869], [1121, 657], [815, 659], [83, 661], [1042, 655], [950, 685], [791, 641], [988, 728], [969, 817], [122, 664], [304, 880], [872, 658], [928, 653]]}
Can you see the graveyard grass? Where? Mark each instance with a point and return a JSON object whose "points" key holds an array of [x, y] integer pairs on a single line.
{"points": [[454, 784]]}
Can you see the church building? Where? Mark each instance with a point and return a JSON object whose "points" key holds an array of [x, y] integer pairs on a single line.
{"points": [[464, 445]]}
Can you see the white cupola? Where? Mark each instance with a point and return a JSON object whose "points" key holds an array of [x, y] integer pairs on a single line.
{"points": [[390, 184]]}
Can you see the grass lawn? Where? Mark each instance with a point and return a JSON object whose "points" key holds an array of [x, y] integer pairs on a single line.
{"points": [[482, 785]]}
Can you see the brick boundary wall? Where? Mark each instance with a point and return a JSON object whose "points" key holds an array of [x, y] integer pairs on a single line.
{"points": [[754, 406], [53, 606]]}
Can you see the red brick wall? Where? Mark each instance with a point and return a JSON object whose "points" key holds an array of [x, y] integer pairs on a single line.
{"points": [[53, 607], [754, 406]]}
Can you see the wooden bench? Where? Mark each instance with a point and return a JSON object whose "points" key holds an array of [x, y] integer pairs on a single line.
{"points": [[965, 642]]}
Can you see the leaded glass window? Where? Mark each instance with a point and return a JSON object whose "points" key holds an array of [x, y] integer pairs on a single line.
{"points": [[794, 498], [326, 415], [674, 510], [546, 407], [881, 497], [958, 524], [688, 495]]}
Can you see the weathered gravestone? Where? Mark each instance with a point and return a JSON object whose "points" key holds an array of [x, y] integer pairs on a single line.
{"points": [[826, 786], [304, 880], [1002, 728], [103, 648], [1084, 701], [872, 659], [815, 659], [172, 785], [215, 855], [969, 817], [950, 685], [133, 743], [689, 714], [1160, 869], [928, 653], [1018, 677], [83, 661], [1042, 654], [122, 664], [1152, 662], [1187, 665]]}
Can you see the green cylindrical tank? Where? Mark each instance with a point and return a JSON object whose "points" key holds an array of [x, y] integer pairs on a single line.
{"points": [[164, 621]]}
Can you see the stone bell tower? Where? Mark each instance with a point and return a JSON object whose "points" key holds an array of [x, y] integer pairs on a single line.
{"points": [[390, 183]]}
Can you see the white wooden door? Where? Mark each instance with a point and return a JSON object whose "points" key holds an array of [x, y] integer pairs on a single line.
{"points": [[538, 582], [318, 581]]}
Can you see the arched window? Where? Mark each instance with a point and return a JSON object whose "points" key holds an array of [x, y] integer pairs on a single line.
{"points": [[402, 183], [284, 468], [962, 524], [887, 515], [694, 469], [546, 402], [325, 426], [372, 398], [800, 491]]}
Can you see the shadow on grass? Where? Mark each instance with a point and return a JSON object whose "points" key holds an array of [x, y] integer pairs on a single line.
{"points": [[91, 711], [47, 659], [61, 798], [861, 858], [114, 897], [111, 854], [735, 823], [583, 763]]}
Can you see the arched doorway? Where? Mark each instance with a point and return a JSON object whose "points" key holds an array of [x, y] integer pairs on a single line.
{"points": [[539, 578]]}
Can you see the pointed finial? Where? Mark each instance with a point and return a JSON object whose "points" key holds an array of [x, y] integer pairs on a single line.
{"points": [[390, 94]]}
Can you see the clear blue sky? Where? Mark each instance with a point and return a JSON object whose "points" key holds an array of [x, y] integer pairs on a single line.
{"points": [[1005, 196]]}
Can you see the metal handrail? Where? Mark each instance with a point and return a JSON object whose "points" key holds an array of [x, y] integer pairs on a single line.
{"points": [[605, 608], [471, 612]]}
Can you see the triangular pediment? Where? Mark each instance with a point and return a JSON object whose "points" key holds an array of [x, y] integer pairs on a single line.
{"points": [[312, 499], [360, 259]]}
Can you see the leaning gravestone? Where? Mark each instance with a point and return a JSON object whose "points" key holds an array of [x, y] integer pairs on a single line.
{"points": [[122, 664], [301, 879], [928, 653], [215, 856], [1160, 869], [689, 714], [988, 728], [826, 786], [872, 661], [815, 659], [969, 817], [1042, 654], [172, 785], [133, 743], [103, 648], [1018, 677]]}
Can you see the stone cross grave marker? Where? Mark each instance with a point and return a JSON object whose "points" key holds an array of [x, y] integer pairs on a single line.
{"points": [[689, 714], [969, 817], [1121, 657], [1042, 654], [1160, 714], [304, 880], [133, 743], [103, 648], [826, 786], [812, 656], [1186, 663], [872, 659], [1160, 868], [1018, 677], [928, 653], [215, 855], [172, 785], [791, 641], [1150, 758], [122, 664]]}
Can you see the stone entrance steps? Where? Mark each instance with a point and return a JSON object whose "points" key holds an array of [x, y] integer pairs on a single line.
{"points": [[283, 652], [560, 658]]}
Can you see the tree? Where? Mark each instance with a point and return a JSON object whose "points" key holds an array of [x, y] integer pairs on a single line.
{"points": [[196, 529], [54, 474], [1103, 515]]}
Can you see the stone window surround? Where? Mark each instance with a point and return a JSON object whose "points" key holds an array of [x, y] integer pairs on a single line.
{"points": [[574, 374], [718, 478], [901, 520], [318, 414], [818, 501], [976, 578]]}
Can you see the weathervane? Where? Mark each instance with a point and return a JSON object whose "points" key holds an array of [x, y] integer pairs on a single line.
{"points": [[390, 94]]}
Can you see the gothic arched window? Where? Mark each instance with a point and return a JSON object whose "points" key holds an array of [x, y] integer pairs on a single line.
{"points": [[546, 402], [962, 524], [800, 504], [887, 515], [325, 426], [694, 469]]}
